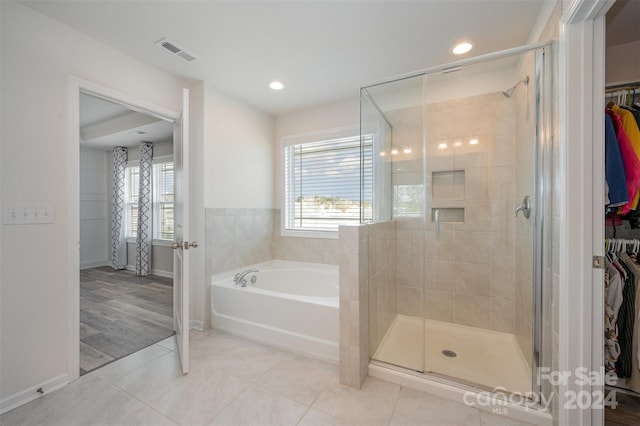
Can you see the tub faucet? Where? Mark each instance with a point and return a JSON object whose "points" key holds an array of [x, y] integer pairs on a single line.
{"points": [[240, 279]]}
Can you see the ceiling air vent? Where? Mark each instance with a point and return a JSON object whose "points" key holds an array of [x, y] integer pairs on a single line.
{"points": [[176, 50]]}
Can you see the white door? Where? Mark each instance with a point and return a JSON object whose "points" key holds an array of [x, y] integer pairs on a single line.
{"points": [[181, 244]]}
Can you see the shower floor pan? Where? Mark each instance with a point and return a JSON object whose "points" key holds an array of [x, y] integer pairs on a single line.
{"points": [[487, 358]]}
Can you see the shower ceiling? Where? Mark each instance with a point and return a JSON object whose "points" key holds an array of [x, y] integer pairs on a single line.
{"points": [[322, 51]]}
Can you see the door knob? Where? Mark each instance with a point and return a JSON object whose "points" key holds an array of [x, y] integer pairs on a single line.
{"points": [[185, 245]]}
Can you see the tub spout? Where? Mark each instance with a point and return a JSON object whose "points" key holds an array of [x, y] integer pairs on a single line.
{"points": [[240, 280]]}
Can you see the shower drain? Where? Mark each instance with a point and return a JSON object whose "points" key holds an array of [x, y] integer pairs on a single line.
{"points": [[450, 354]]}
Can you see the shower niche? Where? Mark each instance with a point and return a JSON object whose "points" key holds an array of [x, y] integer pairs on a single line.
{"points": [[447, 197], [454, 153]]}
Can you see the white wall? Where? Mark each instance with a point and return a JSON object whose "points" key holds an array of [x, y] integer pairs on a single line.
{"points": [[38, 56], [238, 153], [623, 63], [94, 207], [161, 259]]}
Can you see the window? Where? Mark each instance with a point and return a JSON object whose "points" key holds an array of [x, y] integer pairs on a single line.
{"points": [[325, 181], [162, 199]]}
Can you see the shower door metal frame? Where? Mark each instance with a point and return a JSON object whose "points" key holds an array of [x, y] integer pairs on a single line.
{"points": [[543, 167]]}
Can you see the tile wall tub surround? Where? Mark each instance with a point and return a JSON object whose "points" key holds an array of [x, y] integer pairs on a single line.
{"points": [[354, 305], [234, 238], [237, 237], [302, 249]]}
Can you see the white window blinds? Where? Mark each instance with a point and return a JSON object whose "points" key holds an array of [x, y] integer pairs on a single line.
{"points": [[162, 190], [325, 182]]}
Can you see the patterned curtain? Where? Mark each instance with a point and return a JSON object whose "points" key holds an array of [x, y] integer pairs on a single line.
{"points": [[145, 212], [118, 240]]}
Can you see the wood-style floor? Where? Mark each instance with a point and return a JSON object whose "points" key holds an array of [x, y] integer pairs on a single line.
{"points": [[627, 412], [121, 313]]}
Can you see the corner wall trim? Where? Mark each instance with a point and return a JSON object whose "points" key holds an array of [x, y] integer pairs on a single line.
{"points": [[29, 394], [158, 272], [95, 264], [196, 325]]}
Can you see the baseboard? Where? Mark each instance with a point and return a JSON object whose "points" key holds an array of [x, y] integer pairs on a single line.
{"points": [[196, 325], [158, 272], [28, 395], [96, 264]]}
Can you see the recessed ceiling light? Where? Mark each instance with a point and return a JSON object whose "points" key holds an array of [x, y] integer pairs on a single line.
{"points": [[276, 85], [394, 152], [442, 146], [407, 150], [461, 48], [473, 142]]}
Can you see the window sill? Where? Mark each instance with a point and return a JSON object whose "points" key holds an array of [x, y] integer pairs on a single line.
{"points": [[331, 235], [160, 243]]}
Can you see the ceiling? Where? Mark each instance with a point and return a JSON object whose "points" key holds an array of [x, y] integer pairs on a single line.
{"points": [[104, 125], [322, 51]]}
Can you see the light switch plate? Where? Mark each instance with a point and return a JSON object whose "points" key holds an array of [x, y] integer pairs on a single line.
{"points": [[28, 214]]}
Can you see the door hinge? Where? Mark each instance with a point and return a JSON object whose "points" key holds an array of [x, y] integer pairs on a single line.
{"points": [[598, 262]]}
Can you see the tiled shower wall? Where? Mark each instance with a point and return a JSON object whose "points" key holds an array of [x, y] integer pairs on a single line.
{"points": [[470, 265], [382, 263]]}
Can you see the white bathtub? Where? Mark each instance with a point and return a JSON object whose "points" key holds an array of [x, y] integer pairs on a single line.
{"points": [[292, 305]]}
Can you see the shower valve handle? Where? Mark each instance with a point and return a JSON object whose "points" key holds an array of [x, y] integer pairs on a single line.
{"points": [[524, 207]]}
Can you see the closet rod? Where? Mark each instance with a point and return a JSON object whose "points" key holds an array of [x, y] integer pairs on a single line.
{"points": [[623, 86]]}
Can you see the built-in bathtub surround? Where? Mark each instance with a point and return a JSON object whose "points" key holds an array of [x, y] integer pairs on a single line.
{"points": [[237, 237], [303, 249], [291, 305], [354, 305], [234, 238]]}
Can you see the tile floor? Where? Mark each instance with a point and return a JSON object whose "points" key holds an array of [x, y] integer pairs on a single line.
{"points": [[235, 382]]}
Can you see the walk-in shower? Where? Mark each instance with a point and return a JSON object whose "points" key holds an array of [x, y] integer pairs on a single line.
{"points": [[456, 280]]}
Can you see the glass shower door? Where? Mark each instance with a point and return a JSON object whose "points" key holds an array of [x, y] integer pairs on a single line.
{"points": [[452, 270], [394, 112], [480, 145]]}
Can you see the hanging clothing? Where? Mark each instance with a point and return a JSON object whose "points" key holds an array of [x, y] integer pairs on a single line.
{"points": [[612, 348], [630, 160], [629, 127], [626, 319], [614, 169], [634, 379]]}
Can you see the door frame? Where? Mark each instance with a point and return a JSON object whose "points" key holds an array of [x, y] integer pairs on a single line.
{"points": [[76, 86], [581, 186]]}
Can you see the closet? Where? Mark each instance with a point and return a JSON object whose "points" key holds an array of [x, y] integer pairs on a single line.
{"points": [[622, 224]]}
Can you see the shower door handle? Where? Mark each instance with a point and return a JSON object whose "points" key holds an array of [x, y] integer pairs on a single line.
{"points": [[524, 207], [436, 220]]}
